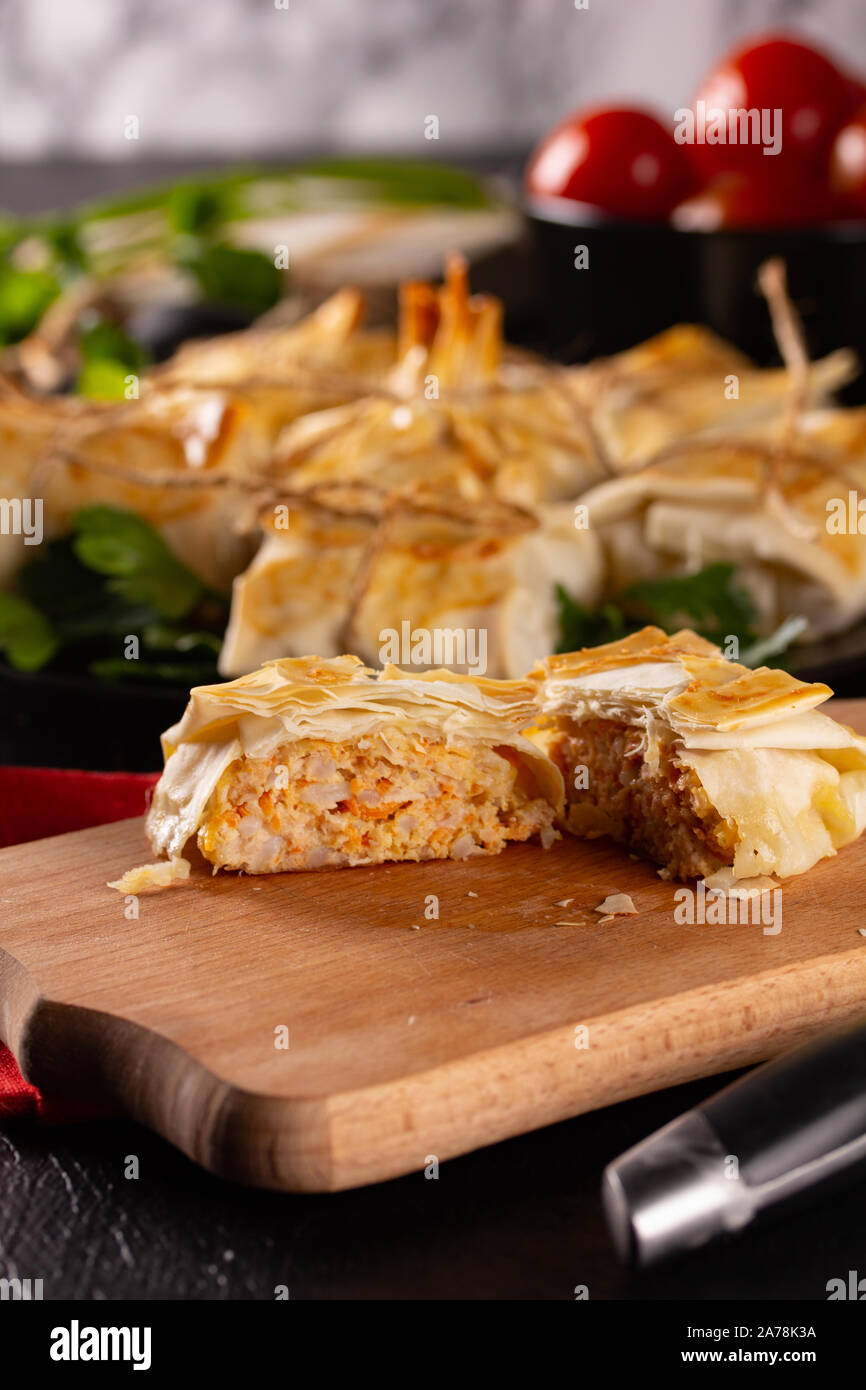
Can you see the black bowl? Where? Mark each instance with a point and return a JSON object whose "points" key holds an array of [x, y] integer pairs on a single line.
{"points": [[642, 278]]}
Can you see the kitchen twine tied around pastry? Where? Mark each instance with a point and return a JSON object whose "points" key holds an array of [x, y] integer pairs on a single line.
{"points": [[791, 446], [772, 282]]}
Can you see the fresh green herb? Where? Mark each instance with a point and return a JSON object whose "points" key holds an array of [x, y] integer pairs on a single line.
{"points": [[106, 342], [402, 182], [11, 233], [103, 380], [24, 297], [167, 638], [26, 637], [192, 223], [198, 208], [63, 241], [188, 674], [201, 206], [708, 601], [83, 596], [140, 566], [583, 627], [232, 275], [109, 357], [159, 200], [74, 599]]}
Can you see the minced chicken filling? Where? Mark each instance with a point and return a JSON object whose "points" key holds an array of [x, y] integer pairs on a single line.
{"points": [[385, 797], [655, 806]]}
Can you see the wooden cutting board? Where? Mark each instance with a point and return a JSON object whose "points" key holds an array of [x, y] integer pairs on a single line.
{"points": [[410, 1039]]}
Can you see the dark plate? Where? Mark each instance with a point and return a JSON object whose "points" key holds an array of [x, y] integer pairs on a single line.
{"points": [[52, 719], [839, 661]]}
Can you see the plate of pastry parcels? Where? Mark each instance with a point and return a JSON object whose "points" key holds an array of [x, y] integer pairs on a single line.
{"points": [[460, 487], [332, 483]]}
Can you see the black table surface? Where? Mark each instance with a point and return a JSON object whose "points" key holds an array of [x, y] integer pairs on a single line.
{"points": [[519, 1220]]}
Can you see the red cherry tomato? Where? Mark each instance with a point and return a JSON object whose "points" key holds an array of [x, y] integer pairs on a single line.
{"points": [[856, 92], [848, 162], [758, 199], [775, 73], [622, 161]]}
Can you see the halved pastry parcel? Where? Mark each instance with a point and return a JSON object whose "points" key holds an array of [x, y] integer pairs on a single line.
{"points": [[698, 763], [309, 763]]}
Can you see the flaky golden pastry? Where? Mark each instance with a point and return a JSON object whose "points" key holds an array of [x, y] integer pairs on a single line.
{"points": [[684, 383], [476, 584], [779, 513]]}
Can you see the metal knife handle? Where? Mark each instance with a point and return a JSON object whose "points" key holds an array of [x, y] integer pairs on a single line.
{"points": [[783, 1128]]}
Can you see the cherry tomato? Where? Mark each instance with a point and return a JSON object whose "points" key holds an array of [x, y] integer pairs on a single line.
{"points": [[775, 73], [620, 160], [848, 162], [759, 199], [856, 93]]}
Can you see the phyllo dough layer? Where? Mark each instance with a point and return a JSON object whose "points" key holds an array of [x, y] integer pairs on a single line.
{"points": [[307, 763], [696, 762], [671, 388]]}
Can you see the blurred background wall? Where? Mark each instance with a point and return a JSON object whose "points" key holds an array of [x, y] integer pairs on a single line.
{"points": [[229, 77]]}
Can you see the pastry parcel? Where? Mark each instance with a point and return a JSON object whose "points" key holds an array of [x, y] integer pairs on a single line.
{"points": [[686, 383], [27, 427], [188, 454], [777, 510], [282, 371], [177, 458], [481, 582], [310, 763], [698, 763], [459, 415]]}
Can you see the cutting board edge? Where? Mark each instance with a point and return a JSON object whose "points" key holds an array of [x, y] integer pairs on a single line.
{"points": [[330, 1143], [772, 1025], [105, 1062]]}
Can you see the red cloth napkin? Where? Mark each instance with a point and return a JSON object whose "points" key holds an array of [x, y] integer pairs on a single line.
{"points": [[40, 801]]}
